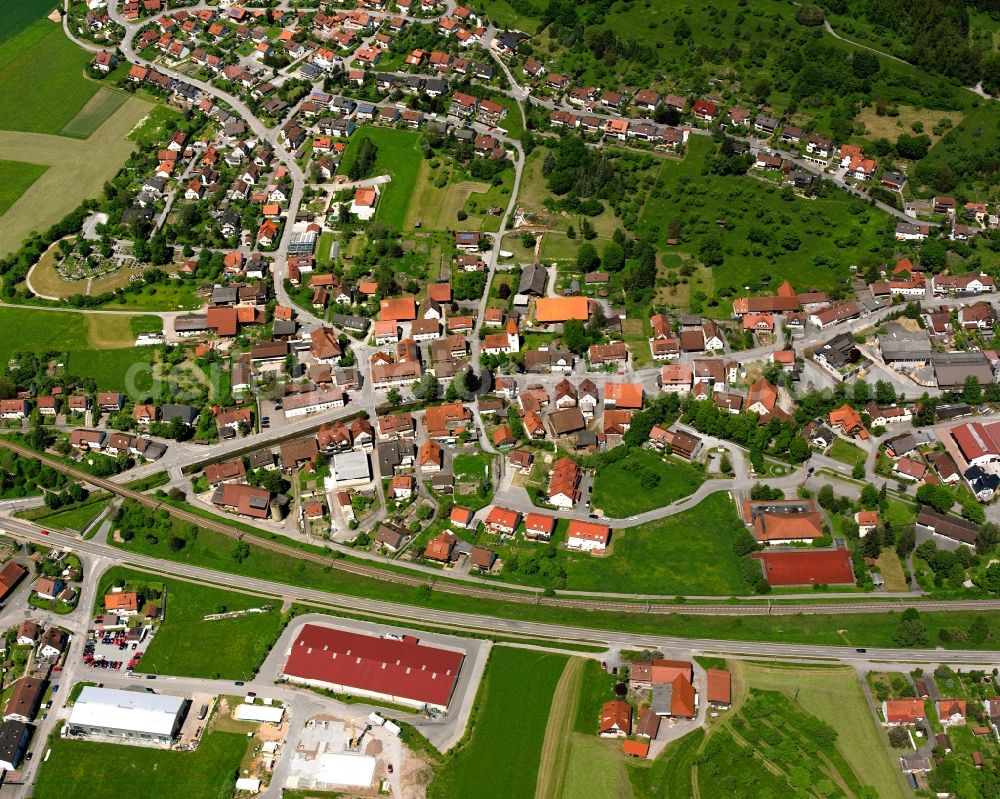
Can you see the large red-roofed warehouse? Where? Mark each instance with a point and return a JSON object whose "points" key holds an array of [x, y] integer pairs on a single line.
{"points": [[401, 671], [808, 567]]}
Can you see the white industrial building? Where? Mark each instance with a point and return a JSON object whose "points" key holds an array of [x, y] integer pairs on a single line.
{"points": [[264, 714], [136, 716]]}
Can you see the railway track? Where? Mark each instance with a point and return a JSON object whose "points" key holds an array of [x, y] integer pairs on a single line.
{"points": [[465, 589]]}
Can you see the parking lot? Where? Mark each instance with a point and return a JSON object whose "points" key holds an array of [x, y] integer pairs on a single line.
{"points": [[118, 650]]}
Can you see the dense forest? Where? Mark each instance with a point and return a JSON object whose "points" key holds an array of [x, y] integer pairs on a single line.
{"points": [[935, 33]]}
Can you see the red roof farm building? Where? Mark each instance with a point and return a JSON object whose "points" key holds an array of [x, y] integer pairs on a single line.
{"points": [[807, 567], [405, 672]]}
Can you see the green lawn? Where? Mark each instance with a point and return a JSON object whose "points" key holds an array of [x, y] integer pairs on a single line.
{"points": [[846, 452], [745, 204], [399, 156], [75, 518], [124, 369], [41, 330], [471, 467], [153, 128], [187, 646], [688, 553], [15, 179], [177, 295], [500, 758], [596, 689], [111, 771], [43, 58], [620, 492], [145, 324]]}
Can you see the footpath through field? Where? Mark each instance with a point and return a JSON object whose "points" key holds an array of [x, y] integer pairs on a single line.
{"points": [[558, 731]]}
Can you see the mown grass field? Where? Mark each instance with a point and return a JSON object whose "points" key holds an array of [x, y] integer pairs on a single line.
{"points": [[110, 771], [618, 490], [744, 203], [42, 58], [99, 345], [94, 114], [16, 178], [78, 169], [437, 208], [835, 696], [398, 156], [500, 758], [187, 646], [700, 538], [596, 767]]}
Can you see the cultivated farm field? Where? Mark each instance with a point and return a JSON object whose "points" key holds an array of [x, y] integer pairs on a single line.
{"points": [[43, 58], [15, 179], [20, 15], [98, 108], [500, 759]]}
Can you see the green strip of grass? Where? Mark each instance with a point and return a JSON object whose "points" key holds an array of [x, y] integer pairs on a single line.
{"points": [[598, 687], [215, 551], [74, 518]]}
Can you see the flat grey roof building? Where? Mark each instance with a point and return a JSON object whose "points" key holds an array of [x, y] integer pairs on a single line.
{"points": [[127, 714]]}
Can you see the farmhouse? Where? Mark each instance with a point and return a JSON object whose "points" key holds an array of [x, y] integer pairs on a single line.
{"points": [[615, 720], [400, 671]]}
